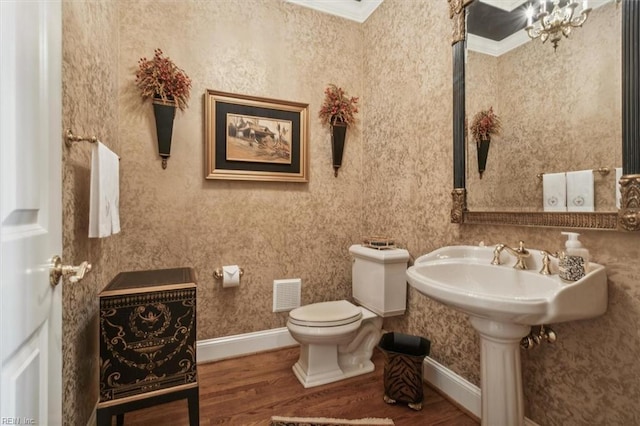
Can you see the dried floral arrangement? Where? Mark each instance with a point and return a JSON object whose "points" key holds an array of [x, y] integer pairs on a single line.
{"points": [[485, 123], [160, 77], [338, 106]]}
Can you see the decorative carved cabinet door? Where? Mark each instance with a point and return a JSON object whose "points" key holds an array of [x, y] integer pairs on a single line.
{"points": [[147, 334]]}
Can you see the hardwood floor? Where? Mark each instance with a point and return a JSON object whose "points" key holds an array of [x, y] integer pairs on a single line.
{"points": [[251, 389]]}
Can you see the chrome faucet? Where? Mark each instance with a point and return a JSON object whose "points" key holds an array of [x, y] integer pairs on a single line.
{"points": [[520, 253]]}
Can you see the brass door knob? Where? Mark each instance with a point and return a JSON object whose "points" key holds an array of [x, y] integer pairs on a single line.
{"points": [[58, 270]]}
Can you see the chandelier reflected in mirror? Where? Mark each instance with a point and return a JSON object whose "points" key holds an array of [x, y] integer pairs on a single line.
{"points": [[558, 22]]}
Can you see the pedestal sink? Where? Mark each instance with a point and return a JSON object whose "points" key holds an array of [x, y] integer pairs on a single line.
{"points": [[502, 304]]}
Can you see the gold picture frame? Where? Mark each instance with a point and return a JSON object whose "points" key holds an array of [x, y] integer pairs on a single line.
{"points": [[252, 138]]}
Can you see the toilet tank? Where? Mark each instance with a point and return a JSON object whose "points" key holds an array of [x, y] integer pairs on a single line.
{"points": [[378, 279]]}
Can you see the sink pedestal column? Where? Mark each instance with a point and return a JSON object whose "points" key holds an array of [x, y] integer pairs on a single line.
{"points": [[500, 376]]}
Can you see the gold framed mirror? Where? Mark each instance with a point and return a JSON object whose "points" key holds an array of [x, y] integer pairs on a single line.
{"points": [[628, 216]]}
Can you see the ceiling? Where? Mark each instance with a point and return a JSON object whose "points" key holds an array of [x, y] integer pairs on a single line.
{"points": [[504, 21], [494, 26]]}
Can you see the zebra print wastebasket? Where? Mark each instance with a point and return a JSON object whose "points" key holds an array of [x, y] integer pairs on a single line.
{"points": [[403, 357]]}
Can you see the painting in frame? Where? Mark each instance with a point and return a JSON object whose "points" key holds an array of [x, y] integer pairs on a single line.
{"points": [[253, 138]]}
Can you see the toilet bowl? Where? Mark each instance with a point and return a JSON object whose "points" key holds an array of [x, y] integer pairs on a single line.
{"points": [[336, 341], [337, 338]]}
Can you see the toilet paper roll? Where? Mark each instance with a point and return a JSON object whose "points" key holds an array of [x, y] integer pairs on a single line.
{"points": [[230, 276]]}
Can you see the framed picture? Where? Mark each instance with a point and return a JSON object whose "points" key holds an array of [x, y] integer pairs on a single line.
{"points": [[251, 138]]}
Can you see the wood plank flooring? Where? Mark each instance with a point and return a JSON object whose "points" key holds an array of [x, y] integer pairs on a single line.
{"points": [[249, 390]]}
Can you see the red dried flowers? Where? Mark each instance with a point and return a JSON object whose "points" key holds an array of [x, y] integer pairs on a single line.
{"points": [[338, 106], [161, 78], [484, 124]]}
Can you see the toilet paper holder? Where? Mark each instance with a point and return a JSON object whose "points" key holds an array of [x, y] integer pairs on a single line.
{"points": [[219, 274]]}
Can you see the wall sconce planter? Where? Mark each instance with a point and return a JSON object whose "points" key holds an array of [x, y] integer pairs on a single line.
{"points": [[338, 136], [483, 153], [485, 123], [168, 87], [338, 111], [165, 113]]}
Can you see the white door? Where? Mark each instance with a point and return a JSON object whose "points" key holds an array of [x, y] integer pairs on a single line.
{"points": [[30, 211]]}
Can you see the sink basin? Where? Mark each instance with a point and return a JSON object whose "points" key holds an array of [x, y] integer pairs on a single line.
{"points": [[503, 303], [464, 278]]}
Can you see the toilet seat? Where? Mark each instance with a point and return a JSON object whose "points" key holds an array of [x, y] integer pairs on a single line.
{"points": [[325, 314]]}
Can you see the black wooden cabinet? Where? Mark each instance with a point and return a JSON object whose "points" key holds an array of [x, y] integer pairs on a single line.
{"points": [[148, 342]]}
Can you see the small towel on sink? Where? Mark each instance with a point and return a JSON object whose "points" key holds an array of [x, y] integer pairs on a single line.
{"points": [[617, 186], [554, 192], [580, 192]]}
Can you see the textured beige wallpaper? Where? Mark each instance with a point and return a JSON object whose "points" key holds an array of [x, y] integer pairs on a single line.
{"points": [[396, 180], [273, 230], [561, 111], [408, 157], [590, 376], [90, 107]]}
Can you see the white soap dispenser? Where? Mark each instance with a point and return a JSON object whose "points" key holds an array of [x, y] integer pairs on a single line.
{"points": [[574, 262]]}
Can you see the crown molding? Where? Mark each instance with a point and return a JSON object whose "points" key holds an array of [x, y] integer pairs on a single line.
{"points": [[507, 5], [354, 10], [496, 48]]}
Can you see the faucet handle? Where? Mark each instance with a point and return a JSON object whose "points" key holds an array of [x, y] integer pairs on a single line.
{"points": [[521, 250], [496, 254], [546, 270]]}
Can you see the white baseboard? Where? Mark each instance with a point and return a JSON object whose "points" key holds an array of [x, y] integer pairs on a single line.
{"points": [[464, 393], [243, 344], [459, 390]]}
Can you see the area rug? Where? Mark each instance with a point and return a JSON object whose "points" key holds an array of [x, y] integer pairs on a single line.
{"points": [[322, 421]]}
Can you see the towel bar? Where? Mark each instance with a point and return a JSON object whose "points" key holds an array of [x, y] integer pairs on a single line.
{"points": [[70, 139], [602, 170]]}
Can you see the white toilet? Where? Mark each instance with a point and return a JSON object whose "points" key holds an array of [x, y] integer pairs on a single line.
{"points": [[337, 338]]}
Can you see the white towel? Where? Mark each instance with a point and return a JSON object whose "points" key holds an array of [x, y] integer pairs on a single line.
{"points": [[580, 195], [104, 201], [554, 192], [617, 186]]}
